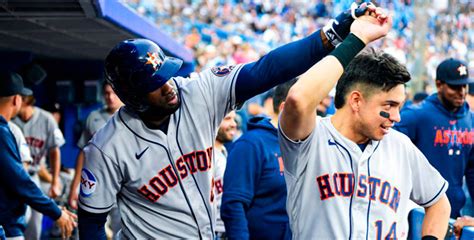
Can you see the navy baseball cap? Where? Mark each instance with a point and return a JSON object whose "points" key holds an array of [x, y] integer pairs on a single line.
{"points": [[453, 72], [12, 84]]}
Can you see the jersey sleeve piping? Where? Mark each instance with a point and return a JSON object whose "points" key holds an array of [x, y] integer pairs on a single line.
{"points": [[287, 138], [95, 208], [232, 100], [436, 197]]}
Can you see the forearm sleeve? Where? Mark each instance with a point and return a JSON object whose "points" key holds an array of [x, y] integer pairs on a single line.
{"points": [[91, 225], [279, 65]]}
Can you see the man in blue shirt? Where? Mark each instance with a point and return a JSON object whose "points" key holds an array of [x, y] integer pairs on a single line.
{"points": [[442, 128], [16, 187], [254, 198]]}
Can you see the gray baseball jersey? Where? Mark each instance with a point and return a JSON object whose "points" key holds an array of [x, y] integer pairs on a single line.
{"points": [[220, 164], [338, 191], [161, 182], [94, 122], [41, 133], [25, 153]]}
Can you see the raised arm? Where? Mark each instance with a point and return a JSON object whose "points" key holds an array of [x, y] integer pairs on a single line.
{"points": [[298, 117], [291, 60]]}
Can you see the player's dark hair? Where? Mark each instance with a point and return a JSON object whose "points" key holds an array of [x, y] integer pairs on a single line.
{"points": [[105, 83], [29, 100], [370, 71], [280, 93]]}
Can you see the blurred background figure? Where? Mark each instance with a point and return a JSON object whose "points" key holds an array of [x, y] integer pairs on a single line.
{"points": [[44, 138], [442, 127], [96, 120], [17, 188], [254, 185], [225, 134]]}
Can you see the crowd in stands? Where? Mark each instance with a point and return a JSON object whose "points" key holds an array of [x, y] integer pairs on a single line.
{"points": [[230, 32]]}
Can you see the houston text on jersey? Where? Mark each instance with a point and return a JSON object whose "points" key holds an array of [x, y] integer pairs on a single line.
{"points": [[166, 178], [342, 185]]}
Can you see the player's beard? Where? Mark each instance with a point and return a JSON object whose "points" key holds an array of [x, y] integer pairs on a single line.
{"points": [[223, 136], [154, 112]]}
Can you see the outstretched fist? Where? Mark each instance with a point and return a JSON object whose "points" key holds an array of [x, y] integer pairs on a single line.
{"points": [[374, 24]]}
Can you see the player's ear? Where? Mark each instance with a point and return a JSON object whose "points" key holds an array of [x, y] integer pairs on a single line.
{"points": [[355, 100], [280, 108], [17, 100]]}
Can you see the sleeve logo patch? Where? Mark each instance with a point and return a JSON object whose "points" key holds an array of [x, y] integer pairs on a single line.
{"points": [[222, 70], [88, 183]]}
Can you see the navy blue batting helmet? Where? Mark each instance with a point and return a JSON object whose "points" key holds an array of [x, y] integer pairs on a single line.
{"points": [[136, 67]]}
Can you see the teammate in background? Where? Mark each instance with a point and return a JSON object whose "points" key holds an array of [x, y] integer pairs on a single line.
{"points": [[461, 222], [254, 200], [94, 122], [16, 188], [442, 127], [56, 110], [23, 148], [43, 137], [345, 173], [419, 97], [470, 96], [25, 155], [154, 158], [44, 173], [225, 134]]}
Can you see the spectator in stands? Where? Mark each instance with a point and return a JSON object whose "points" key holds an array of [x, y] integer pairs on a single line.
{"points": [[442, 126], [17, 188], [225, 134], [254, 185]]}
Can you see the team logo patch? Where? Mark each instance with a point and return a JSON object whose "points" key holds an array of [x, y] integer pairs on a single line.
{"points": [[154, 60], [88, 183], [462, 70], [222, 70]]}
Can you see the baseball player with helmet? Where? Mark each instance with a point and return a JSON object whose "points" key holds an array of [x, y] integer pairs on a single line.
{"points": [[351, 176], [154, 157]]}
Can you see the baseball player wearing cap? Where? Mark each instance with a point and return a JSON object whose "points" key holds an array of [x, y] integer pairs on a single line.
{"points": [[43, 137], [154, 158], [350, 176], [442, 128], [17, 188]]}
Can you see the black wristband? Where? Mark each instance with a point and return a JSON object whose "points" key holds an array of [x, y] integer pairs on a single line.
{"points": [[348, 49], [429, 237]]}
